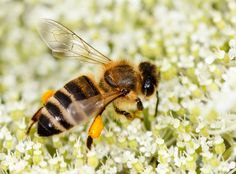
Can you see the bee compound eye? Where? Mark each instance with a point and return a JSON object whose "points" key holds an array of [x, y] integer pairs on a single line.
{"points": [[148, 87]]}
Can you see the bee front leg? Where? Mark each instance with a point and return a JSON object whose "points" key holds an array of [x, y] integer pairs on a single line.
{"points": [[139, 104], [121, 112]]}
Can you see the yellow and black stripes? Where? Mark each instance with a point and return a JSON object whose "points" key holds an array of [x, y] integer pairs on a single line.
{"points": [[57, 114], [45, 127], [75, 91], [82, 88], [54, 116], [48, 125], [62, 98]]}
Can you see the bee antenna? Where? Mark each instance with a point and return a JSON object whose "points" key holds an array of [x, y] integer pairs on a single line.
{"points": [[157, 103]]}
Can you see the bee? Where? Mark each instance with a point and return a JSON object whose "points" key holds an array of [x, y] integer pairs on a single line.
{"points": [[82, 98]]}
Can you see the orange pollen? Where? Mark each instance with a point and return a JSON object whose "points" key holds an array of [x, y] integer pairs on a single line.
{"points": [[49, 93], [96, 127]]}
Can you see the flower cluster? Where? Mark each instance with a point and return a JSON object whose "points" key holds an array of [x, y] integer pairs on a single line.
{"points": [[192, 43]]}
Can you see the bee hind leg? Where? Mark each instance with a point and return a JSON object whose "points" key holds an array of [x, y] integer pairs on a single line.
{"points": [[34, 119], [95, 131], [44, 98], [89, 142]]}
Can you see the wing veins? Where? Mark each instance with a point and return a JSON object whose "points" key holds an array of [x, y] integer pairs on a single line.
{"points": [[60, 39], [74, 43], [70, 48], [77, 55]]}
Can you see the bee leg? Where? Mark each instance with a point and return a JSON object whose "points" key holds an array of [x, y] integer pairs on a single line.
{"points": [[139, 104], [94, 130], [44, 99], [157, 103], [89, 142], [34, 119], [125, 113]]}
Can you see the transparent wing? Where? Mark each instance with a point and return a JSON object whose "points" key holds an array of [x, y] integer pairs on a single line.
{"points": [[82, 110], [65, 43]]}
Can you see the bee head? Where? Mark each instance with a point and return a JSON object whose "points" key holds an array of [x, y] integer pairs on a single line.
{"points": [[150, 78]]}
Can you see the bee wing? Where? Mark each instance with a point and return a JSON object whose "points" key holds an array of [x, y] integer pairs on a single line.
{"points": [[65, 43], [82, 110]]}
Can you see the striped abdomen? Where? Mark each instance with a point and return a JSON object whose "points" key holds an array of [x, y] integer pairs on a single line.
{"points": [[54, 116]]}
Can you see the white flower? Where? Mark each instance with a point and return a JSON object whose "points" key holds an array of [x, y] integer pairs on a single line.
{"points": [[159, 141], [4, 132], [147, 144], [37, 146], [21, 147], [19, 166], [86, 170], [162, 169], [108, 167], [203, 74]]}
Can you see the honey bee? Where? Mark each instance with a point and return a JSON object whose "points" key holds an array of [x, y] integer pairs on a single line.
{"points": [[82, 98]]}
